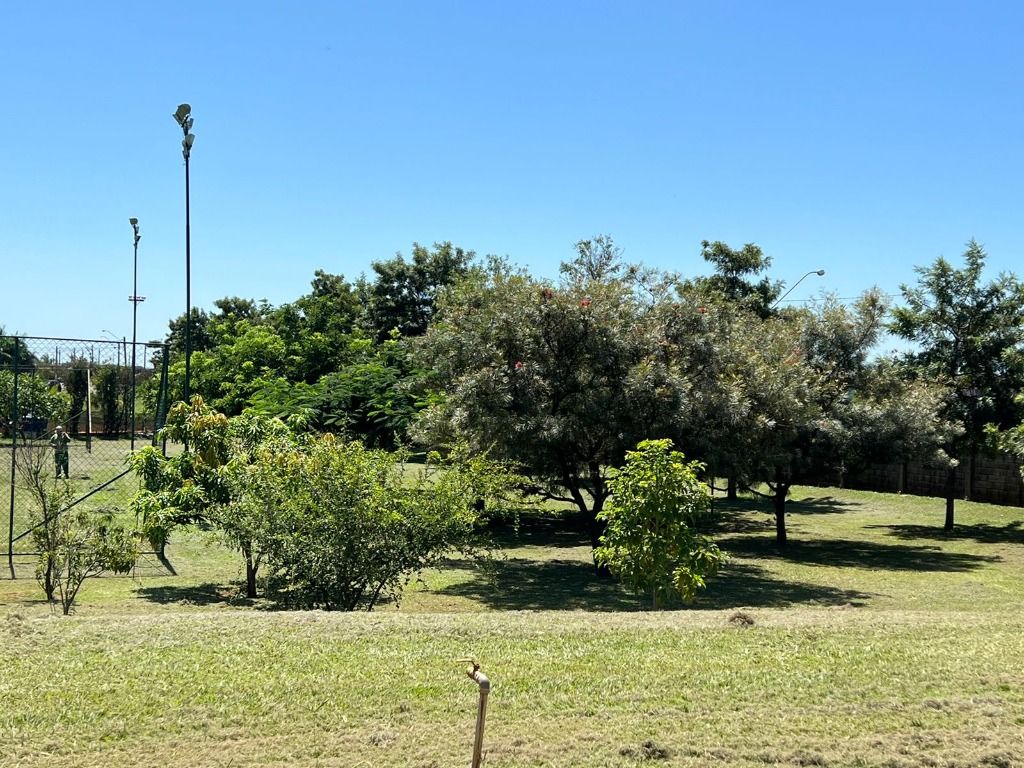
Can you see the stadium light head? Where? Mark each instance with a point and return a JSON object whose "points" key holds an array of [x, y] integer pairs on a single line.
{"points": [[181, 114]]}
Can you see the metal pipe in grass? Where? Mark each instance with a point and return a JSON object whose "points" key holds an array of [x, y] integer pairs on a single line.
{"points": [[481, 680]]}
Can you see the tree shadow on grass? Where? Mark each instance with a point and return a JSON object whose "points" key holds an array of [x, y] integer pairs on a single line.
{"points": [[196, 594], [811, 505], [540, 585], [846, 553], [1011, 533], [540, 529], [820, 505], [564, 585], [744, 585], [741, 521]]}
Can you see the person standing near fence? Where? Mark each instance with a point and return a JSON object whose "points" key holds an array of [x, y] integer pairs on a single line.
{"points": [[60, 442]]}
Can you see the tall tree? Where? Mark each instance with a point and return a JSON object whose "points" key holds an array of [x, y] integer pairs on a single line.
{"points": [[402, 294], [736, 276], [202, 339], [77, 384], [562, 379], [970, 336], [812, 403]]}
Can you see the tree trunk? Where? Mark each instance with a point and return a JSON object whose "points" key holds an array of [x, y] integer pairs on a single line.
{"points": [[950, 498], [730, 488], [779, 502], [251, 566], [595, 527], [161, 555], [48, 586]]}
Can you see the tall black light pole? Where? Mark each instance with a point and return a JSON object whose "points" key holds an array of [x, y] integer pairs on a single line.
{"points": [[183, 116], [818, 272], [134, 299]]}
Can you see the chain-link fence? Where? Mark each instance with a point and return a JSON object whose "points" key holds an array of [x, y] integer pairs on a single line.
{"points": [[71, 411]]}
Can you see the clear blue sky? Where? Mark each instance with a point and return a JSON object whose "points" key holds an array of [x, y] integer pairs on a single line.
{"points": [[864, 138]]}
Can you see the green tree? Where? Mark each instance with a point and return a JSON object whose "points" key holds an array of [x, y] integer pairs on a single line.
{"points": [[735, 276], [970, 337], [652, 541], [336, 524], [33, 462], [316, 326], [181, 489], [560, 380], [256, 489], [77, 383], [36, 399], [223, 481], [372, 395], [110, 388], [1012, 441], [202, 338], [402, 294], [812, 406]]}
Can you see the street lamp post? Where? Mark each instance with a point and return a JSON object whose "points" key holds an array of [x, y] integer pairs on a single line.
{"points": [[117, 345], [134, 299], [818, 272], [183, 116]]}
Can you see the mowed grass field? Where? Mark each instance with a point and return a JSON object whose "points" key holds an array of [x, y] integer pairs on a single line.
{"points": [[875, 639]]}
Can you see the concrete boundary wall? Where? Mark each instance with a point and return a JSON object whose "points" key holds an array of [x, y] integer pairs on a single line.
{"points": [[991, 479]]}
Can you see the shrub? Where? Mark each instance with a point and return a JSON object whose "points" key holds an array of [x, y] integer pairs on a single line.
{"points": [[353, 527]]}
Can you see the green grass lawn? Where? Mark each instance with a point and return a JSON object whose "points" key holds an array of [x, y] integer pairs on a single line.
{"points": [[875, 639]]}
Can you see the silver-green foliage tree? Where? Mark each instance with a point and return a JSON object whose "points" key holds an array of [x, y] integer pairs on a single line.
{"points": [[560, 379], [812, 404], [1012, 440], [652, 541]]}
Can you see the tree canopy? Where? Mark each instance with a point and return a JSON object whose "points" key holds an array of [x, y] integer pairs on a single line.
{"points": [[969, 335]]}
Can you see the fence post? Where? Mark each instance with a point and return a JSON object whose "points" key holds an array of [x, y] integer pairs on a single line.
{"points": [[14, 450]]}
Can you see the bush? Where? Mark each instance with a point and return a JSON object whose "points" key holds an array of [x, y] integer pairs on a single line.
{"points": [[353, 528], [82, 545]]}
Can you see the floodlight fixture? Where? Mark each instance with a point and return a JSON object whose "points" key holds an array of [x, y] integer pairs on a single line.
{"points": [[182, 114]]}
